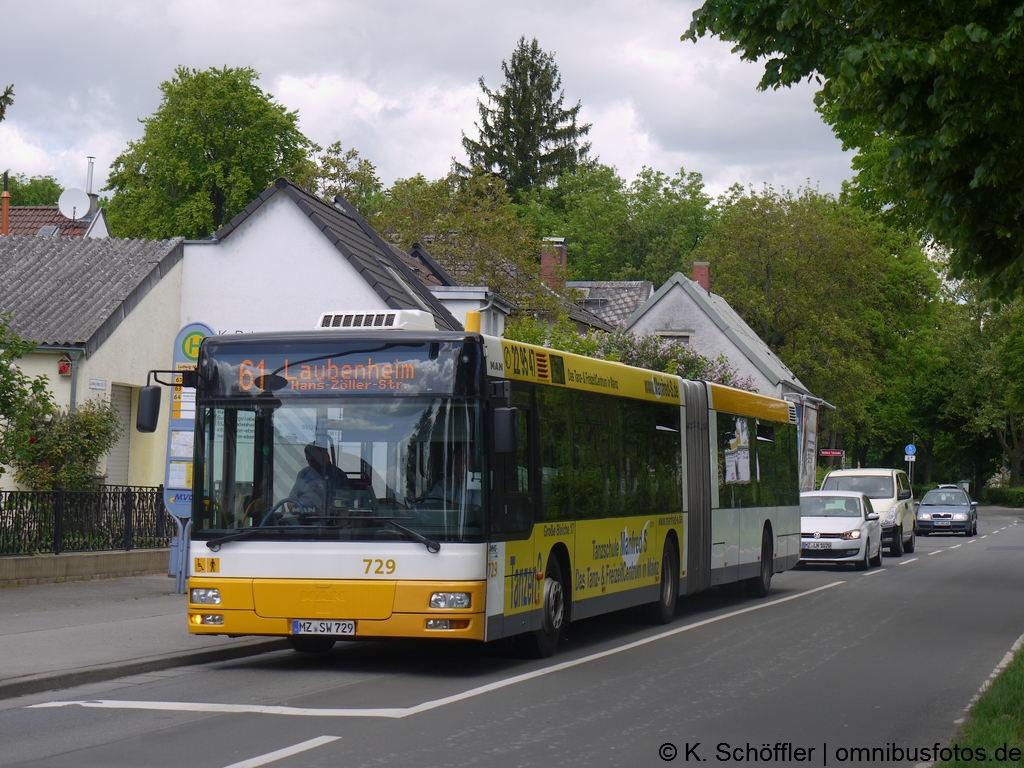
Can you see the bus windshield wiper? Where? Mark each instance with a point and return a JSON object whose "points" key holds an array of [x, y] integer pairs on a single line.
{"points": [[214, 544], [431, 545]]}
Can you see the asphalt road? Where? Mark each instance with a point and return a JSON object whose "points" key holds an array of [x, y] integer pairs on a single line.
{"points": [[832, 660]]}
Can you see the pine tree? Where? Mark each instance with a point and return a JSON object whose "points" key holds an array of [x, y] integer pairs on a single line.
{"points": [[526, 136]]}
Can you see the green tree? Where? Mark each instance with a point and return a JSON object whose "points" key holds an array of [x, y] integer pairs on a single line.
{"points": [[6, 99], [526, 136], [24, 402], [617, 231], [216, 142], [941, 81], [39, 190], [840, 298], [338, 171], [470, 227], [65, 447]]}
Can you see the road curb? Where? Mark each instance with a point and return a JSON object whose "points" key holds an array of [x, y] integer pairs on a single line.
{"points": [[10, 689]]}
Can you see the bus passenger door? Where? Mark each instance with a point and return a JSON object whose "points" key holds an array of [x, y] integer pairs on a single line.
{"points": [[512, 511]]}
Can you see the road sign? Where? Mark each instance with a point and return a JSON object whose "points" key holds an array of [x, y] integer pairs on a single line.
{"points": [[910, 450], [830, 452], [910, 457]]}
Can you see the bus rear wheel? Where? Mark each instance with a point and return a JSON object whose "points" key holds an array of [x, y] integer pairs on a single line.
{"points": [[311, 643], [760, 585], [664, 610], [544, 641]]}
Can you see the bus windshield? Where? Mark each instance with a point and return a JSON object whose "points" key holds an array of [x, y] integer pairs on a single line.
{"points": [[340, 469]]}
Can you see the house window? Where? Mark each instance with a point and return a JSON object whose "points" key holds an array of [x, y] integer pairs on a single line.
{"points": [[682, 338]]}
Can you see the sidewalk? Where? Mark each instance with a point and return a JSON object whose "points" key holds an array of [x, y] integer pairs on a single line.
{"points": [[60, 635]]}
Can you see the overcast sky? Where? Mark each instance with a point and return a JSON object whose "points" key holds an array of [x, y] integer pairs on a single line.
{"points": [[397, 80]]}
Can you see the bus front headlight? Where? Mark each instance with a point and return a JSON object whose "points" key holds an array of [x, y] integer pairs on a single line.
{"points": [[450, 600], [204, 596]]}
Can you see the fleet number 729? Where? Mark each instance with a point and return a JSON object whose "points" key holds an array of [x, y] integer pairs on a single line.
{"points": [[380, 567]]}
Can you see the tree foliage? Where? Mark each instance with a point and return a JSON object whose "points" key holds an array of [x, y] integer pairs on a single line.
{"points": [[617, 231], [6, 99], [215, 142], [470, 227], [64, 450], [339, 171], [23, 401], [840, 298], [38, 190], [648, 351], [526, 135], [941, 81]]}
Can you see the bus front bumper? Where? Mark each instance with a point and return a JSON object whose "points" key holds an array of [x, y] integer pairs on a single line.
{"points": [[379, 609]]}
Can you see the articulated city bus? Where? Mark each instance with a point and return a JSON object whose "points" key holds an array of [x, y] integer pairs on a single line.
{"points": [[372, 479]]}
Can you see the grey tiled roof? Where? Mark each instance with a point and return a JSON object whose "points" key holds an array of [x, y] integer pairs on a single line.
{"points": [[382, 269], [76, 291], [613, 300]]}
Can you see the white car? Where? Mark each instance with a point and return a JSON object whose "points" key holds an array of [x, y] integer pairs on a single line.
{"points": [[839, 527], [891, 497]]}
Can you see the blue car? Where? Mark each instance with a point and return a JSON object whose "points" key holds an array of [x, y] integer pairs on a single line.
{"points": [[947, 510]]}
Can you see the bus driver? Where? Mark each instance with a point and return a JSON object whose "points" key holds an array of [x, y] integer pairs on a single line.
{"points": [[315, 484]]}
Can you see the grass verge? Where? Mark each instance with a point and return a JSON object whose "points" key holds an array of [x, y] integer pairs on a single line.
{"points": [[995, 726]]}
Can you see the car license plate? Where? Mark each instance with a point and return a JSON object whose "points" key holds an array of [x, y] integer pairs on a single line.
{"points": [[321, 627], [942, 522], [817, 545]]}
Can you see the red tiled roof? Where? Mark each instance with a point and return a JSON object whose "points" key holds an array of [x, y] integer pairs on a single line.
{"points": [[28, 219]]}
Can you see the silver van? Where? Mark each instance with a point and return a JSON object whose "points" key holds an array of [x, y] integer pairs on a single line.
{"points": [[891, 497]]}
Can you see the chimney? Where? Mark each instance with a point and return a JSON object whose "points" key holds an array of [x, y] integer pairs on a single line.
{"points": [[553, 262], [5, 209], [702, 274], [94, 199]]}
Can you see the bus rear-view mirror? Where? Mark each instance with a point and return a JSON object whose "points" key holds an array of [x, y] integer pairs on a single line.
{"points": [[149, 409], [506, 430]]}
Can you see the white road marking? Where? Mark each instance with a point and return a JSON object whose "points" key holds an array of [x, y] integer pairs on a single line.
{"points": [[985, 536], [402, 712], [280, 754], [936, 552], [972, 541], [958, 545], [995, 672], [911, 560], [874, 573]]}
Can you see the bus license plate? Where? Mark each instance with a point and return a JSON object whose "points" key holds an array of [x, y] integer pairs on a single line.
{"points": [[320, 627], [817, 545]]}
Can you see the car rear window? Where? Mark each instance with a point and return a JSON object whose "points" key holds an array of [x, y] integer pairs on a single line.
{"points": [[945, 499], [829, 506], [873, 486]]}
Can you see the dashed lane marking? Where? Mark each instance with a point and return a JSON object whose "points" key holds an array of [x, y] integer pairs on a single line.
{"points": [[402, 712], [958, 545], [936, 552], [281, 754], [908, 562]]}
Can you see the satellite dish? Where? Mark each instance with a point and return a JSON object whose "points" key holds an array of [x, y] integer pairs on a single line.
{"points": [[74, 204]]}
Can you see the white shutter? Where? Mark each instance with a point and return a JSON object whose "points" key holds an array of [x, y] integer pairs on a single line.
{"points": [[117, 459]]}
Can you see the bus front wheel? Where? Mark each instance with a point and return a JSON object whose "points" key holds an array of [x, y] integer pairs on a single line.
{"points": [[543, 642]]}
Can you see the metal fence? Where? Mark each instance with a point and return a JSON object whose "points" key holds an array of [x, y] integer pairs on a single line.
{"points": [[114, 517]]}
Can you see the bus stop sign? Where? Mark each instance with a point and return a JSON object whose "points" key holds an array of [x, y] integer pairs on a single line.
{"points": [[178, 478]]}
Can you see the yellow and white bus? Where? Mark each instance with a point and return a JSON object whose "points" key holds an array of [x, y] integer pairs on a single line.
{"points": [[367, 479]]}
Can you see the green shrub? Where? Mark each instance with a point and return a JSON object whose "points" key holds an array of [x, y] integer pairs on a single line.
{"points": [[64, 450], [1004, 497]]}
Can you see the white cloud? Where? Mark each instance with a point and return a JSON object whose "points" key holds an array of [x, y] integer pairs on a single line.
{"points": [[397, 80]]}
